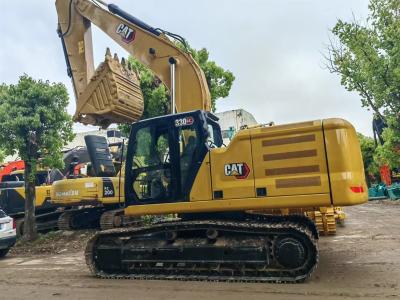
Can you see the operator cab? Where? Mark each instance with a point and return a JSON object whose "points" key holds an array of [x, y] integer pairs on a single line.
{"points": [[165, 154]]}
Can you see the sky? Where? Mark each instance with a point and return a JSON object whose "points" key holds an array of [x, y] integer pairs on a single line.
{"points": [[274, 49]]}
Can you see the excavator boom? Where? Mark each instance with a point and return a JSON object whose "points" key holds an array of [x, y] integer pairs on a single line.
{"points": [[111, 93]]}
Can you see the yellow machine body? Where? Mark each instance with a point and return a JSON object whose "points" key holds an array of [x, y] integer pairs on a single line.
{"points": [[94, 191], [16, 195], [302, 165], [42, 194]]}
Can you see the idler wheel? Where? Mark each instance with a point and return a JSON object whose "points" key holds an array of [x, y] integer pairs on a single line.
{"points": [[212, 234], [290, 253]]}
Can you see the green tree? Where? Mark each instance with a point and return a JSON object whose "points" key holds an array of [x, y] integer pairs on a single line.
{"points": [[389, 152], [218, 79], [156, 95], [34, 123], [367, 57], [367, 145], [2, 155]]}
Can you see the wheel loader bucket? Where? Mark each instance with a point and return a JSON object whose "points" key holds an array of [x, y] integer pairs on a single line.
{"points": [[113, 95]]}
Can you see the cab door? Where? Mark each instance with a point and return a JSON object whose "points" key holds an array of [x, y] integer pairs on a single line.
{"points": [[164, 156], [151, 177]]}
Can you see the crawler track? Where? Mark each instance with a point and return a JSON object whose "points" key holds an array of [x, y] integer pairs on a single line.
{"points": [[44, 222], [254, 249], [80, 218]]}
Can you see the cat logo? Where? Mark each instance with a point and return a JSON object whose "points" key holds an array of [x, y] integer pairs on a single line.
{"points": [[239, 170], [128, 34]]}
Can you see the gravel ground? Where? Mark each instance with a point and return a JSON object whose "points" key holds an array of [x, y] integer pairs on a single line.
{"points": [[362, 261], [55, 242]]}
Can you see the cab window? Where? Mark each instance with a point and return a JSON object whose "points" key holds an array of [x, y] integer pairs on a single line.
{"points": [[151, 164], [214, 139], [188, 143]]}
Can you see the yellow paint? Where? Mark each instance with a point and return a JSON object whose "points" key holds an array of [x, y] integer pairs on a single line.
{"points": [[81, 191], [345, 163], [236, 204], [81, 47], [42, 194], [259, 135], [201, 189], [238, 151]]}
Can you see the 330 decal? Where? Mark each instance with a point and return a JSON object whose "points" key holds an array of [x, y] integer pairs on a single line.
{"points": [[184, 121]]}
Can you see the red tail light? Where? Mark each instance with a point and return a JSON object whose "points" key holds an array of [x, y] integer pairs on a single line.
{"points": [[357, 189], [14, 224]]}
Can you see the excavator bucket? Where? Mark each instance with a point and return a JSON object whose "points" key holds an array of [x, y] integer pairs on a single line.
{"points": [[113, 95]]}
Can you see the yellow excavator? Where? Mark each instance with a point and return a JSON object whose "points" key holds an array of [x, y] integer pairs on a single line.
{"points": [[176, 164], [12, 199], [97, 200]]}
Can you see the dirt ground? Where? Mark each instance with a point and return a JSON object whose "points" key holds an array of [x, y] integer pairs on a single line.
{"points": [[361, 261]]}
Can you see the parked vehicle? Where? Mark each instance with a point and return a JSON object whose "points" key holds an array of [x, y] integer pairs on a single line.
{"points": [[8, 234]]}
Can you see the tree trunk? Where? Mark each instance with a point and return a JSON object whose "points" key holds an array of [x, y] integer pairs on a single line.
{"points": [[30, 232]]}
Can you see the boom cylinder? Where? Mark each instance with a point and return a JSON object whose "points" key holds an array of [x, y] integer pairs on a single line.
{"points": [[127, 16], [172, 63]]}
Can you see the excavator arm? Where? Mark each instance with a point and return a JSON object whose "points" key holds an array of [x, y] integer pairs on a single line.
{"points": [[111, 93]]}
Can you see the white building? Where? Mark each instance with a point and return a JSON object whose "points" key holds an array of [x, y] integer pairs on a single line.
{"points": [[232, 120], [112, 136]]}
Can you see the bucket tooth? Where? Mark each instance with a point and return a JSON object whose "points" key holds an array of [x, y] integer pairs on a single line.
{"points": [[108, 53]]}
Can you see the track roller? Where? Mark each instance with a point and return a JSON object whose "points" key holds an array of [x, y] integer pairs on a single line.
{"points": [[115, 218], [80, 219]]}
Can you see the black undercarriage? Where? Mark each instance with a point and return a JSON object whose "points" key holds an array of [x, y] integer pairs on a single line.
{"points": [[255, 248]]}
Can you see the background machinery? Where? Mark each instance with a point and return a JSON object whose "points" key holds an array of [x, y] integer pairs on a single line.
{"points": [[378, 125], [176, 165], [96, 200], [389, 185], [7, 168], [12, 200], [12, 191]]}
